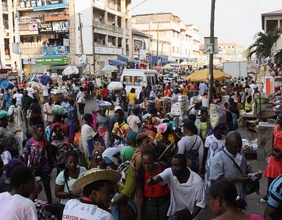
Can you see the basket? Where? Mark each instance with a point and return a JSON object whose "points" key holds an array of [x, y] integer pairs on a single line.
{"points": [[57, 97]]}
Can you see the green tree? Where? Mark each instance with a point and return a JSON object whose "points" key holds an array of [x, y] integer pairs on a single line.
{"points": [[263, 43]]}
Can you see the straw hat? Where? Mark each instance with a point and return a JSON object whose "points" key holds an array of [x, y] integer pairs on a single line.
{"points": [[94, 175]]}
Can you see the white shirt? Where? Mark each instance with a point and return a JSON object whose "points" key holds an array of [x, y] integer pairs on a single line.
{"points": [[133, 122], [184, 195], [202, 88], [16, 123], [18, 97], [16, 207], [30, 91], [45, 90], [188, 143], [75, 209], [48, 108], [193, 111], [87, 132]]}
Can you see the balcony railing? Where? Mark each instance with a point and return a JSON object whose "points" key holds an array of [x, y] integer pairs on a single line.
{"points": [[108, 27], [31, 49]]}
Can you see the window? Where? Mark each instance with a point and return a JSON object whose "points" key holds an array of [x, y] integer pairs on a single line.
{"points": [[127, 80], [138, 80]]}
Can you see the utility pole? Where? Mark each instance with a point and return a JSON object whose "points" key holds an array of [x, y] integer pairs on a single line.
{"points": [[81, 39], [93, 45], [211, 54], [157, 43]]}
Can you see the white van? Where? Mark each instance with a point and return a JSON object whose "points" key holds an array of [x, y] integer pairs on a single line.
{"points": [[137, 78]]}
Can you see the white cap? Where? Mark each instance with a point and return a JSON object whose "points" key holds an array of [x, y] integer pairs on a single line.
{"points": [[117, 108]]}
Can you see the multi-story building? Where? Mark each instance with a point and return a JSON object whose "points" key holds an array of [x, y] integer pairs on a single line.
{"points": [[271, 21], [54, 33], [6, 36], [170, 36]]}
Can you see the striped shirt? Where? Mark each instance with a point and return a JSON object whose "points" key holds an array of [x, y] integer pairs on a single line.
{"points": [[275, 193]]}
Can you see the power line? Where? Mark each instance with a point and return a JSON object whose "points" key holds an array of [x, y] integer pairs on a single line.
{"points": [[135, 6]]}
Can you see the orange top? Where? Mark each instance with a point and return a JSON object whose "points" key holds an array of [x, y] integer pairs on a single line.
{"points": [[156, 191]]}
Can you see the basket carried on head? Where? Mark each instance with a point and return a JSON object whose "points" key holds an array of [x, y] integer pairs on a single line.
{"points": [[57, 97]]}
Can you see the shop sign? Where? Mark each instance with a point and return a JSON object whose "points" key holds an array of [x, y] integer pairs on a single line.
{"points": [[54, 50], [108, 50], [45, 27], [60, 26], [29, 61], [52, 61]]}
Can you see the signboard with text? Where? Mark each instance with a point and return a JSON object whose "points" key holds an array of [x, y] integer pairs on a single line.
{"points": [[54, 50], [52, 61], [45, 27], [60, 26], [108, 50]]}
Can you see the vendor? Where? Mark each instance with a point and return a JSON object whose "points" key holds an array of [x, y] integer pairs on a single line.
{"points": [[248, 104]]}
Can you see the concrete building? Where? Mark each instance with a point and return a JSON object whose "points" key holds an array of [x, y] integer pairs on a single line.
{"points": [[270, 21], [171, 38], [54, 33], [7, 58]]}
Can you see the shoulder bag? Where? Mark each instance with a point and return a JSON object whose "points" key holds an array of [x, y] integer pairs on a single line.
{"points": [[251, 185]]}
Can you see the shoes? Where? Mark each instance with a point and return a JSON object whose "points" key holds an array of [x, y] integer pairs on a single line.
{"points": [[262, 200]]}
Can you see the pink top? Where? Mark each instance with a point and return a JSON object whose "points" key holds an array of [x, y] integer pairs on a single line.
{"points": [[254, 217]]}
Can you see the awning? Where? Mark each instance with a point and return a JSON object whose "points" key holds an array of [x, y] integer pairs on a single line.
{"points": [[162, 59], [50, 7], [117, 63], [183, 58], [65, 66], [124, 58], [52, 61]]}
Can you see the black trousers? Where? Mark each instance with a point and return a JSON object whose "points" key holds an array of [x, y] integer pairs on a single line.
{"points": [[81, 108], [46, 178]]}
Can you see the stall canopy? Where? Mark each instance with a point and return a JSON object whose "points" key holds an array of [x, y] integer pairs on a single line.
{"points": [[50, 7], [109, 68], [203, 75], [124, 58], [117, 63], [65, 66]]}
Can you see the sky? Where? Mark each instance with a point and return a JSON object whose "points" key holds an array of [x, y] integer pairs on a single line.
{"points": [[236, 21]]}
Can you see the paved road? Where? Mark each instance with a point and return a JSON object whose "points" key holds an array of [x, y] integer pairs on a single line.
{"points": [[252, 200]]}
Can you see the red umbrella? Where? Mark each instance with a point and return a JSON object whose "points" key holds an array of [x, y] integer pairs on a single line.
{"points": [[157, 67], [142, 64]]}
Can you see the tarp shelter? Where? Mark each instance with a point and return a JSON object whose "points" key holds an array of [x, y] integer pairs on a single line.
{"points": [[117, 63], [203, 75], [167, 67]]}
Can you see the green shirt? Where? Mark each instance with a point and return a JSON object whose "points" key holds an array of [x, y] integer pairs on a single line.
{"points": [[127, 153], [129, 185]]}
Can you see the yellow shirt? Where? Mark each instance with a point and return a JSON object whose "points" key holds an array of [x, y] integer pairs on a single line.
{"points": [[131, 97], [184, 91]]}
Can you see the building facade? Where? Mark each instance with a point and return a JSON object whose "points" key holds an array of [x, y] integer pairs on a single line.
{"points": [[271, 21], [170, 37], [54, 33]]}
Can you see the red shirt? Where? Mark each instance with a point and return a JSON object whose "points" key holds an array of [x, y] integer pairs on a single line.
{"points": [[104, 92], [156, 191]]}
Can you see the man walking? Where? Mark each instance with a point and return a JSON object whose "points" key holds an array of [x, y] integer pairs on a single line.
{"points": [[187, 187], [47, 110]]}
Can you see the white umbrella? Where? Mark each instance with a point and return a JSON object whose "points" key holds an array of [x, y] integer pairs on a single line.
{"points": [[109, 68], [70, 70], [167, 67]]}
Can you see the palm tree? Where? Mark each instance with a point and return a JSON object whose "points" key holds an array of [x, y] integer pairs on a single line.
{"points": [[263, 43]]}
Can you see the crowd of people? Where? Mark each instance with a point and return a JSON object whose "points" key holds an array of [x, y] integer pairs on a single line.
{"points": [[135, 164]]}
